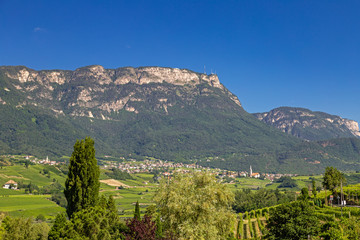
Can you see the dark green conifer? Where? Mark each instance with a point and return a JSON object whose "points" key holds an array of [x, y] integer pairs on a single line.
{"points": [[137, 211], [82, 183], [313, 190]]}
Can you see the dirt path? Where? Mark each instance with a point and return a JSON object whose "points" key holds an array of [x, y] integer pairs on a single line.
{"points": [[114, 183]]}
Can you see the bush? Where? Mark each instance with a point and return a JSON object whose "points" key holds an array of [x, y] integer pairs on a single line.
{"points": [[324, 216], [40, 218]]}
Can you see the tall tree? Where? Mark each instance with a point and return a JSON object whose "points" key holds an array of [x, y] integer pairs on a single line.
{"points": [[332, 179], [304, 194], [137, 211], [292, 221], [313, 189], [195, 206], [82, 183]]}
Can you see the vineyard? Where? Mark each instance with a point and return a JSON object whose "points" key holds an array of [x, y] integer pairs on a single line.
{"points": [[251, 225]]}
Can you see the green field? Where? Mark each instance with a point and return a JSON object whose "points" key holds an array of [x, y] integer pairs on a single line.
{"points": [[31, 174], [27, 205]]}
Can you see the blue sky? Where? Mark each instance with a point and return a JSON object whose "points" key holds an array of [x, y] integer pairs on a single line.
{"points": [[269, 53]]}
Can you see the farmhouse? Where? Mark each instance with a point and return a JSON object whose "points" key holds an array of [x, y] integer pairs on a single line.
{"points": [[10, 185]]}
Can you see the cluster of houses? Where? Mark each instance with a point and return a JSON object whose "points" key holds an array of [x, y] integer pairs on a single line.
{"points": [[168, 168], [148, 166], [45, 161]]}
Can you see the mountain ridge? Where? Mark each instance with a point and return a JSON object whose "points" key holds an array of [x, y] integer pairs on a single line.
{"points": [[309, 125], [31, 80]]}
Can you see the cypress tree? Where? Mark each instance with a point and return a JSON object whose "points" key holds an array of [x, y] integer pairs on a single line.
{"points": [[314, 192], [137, 211], [82, 183]]}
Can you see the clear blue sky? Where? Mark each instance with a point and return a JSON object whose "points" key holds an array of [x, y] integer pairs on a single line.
{"points": [[269, 53]]}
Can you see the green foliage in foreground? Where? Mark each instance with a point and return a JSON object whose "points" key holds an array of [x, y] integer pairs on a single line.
{"points": [[195, 206], [292, 221], [23, 229], [99, 222]]}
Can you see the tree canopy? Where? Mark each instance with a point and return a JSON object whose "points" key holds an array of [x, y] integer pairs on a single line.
{"points": [[247, 200], [99, 222], [332, 179], [195, 206], [82, 183], [292, 221]]}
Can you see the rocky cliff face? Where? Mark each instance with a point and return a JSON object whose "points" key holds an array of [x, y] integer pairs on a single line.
{"points": [[96, 92], [142, 75], [309, 125]]}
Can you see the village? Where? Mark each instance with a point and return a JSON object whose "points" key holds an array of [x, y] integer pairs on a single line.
{"points": [[165, 168], [168, 168]]}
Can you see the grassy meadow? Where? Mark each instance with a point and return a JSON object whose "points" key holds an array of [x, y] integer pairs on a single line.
{"points": [[26, 205]]}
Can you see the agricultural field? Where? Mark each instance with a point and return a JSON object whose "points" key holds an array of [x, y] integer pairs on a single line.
{"points": [[34, 174], [26, 205], [128, 192]]}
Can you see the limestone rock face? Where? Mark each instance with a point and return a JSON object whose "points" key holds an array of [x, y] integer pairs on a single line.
{"points": [[353, 126], [309, 125], [97, 92]]}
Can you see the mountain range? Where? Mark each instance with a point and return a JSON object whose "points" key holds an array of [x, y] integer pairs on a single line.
{"points": [[156, 112], [309, 125]]}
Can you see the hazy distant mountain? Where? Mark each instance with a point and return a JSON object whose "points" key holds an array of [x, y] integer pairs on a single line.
{"points": [[166, 113], [309, 125]]}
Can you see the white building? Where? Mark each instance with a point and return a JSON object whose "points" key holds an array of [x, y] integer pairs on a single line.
{"points": [[8, 184]]}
